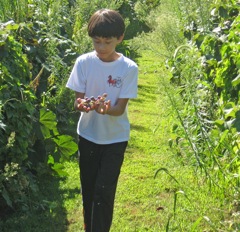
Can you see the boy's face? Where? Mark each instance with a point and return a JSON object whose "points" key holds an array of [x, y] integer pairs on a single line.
{"points": [[105, 47]]}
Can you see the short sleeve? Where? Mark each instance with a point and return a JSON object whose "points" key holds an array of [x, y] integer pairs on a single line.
{"points": [[130, 83], [77, 80]]}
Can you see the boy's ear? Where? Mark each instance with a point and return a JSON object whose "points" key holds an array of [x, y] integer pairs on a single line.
{"points": [[120, 39]]}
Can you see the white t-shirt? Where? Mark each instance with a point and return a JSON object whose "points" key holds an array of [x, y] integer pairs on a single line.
{"points": [[94, 77]]}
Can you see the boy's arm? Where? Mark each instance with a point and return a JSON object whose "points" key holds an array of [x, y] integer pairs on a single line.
{"points": [[119, 108]]}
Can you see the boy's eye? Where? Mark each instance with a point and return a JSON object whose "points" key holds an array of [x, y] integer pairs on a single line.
{"points": [[106, 42]]}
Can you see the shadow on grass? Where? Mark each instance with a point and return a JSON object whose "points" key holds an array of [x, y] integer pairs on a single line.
{"points": [[45, 212], [139, 128], [147, 93]]}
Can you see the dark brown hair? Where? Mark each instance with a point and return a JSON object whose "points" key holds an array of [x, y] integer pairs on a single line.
{"points": [[106, 23]]}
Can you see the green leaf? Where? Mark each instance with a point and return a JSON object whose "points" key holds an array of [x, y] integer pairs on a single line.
{"points": [[48, 123], [236, 81], [237, 58], [48, 119], [229, 112], [12, 26], [224, 135], [219, 122], [66, 146], [2, 125], [6, 197], [174, 127], [58, 168], [236, 124], [165, 170], [50, 159], [196, 223]]}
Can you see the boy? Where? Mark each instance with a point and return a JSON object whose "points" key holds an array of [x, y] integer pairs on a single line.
{"points": [[103, 127]]}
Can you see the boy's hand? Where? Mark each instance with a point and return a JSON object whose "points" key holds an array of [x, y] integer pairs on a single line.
{"points": [[103, 107], [83, 105], [98, 104]]}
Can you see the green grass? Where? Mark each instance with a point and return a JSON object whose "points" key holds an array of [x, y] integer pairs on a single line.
{"points": [[143, 203]]}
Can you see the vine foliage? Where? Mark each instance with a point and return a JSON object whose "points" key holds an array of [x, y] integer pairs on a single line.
{"points": [[30, 141], [206, 71]]}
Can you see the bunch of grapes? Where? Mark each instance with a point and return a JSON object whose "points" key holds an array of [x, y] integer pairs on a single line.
{"points": [[92, 101]]}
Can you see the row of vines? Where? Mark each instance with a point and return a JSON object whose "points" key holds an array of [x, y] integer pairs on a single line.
{"points": [[202, 40], [39, 42], [202, 53], [205, 70]]}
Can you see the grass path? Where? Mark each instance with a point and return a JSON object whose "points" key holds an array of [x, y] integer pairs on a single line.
{"points": [[145, 203], [138, 196]]}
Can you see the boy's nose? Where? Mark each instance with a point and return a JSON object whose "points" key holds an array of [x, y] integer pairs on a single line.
{"points": [[101, 46]]}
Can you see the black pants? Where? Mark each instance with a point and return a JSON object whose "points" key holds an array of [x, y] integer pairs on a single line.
{"points": [[99, 171]]}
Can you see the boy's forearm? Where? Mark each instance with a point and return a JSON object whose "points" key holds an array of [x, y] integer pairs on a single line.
{"points": [[119, 108], [115, 110]]}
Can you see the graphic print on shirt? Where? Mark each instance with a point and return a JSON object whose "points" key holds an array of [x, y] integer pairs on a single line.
{"points": [[116, 82]]}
